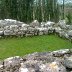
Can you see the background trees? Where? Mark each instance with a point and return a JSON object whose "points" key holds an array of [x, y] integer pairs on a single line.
{"points": [[28, 10]]}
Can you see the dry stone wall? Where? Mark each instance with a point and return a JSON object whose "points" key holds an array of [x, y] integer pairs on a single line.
{"points": [[10, 28]]}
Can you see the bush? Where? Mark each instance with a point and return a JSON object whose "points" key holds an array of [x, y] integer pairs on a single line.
{"points": [[69, 18]]}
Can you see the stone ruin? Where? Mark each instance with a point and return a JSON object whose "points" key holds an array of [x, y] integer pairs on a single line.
{"points": [[56, 61], [10, 28], [52, 61]]}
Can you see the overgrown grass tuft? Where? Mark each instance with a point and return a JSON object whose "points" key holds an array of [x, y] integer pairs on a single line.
{"points": [[21, 46]]}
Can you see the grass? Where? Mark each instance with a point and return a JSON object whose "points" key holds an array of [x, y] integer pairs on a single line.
{"points": [[21, 46]]}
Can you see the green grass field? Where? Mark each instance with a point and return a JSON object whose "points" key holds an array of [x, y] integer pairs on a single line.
{"points": [[21, 46]]}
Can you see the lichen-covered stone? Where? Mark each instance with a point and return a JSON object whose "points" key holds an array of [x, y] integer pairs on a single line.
{"points": [[39, 62], [68, 62]]}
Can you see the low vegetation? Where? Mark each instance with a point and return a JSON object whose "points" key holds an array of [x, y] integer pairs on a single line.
{"points": [[22, 46]]}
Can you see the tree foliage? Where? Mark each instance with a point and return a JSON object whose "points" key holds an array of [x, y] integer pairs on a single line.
{"points": [[69, 18], [28, 10]]}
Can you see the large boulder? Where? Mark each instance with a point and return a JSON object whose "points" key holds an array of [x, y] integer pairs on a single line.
{"points": [[53, 67], [68, 61]]}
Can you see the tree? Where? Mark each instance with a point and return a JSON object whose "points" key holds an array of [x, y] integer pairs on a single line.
{"points": [[2, 11], [69, 17], [63, 9], [28, 10]]}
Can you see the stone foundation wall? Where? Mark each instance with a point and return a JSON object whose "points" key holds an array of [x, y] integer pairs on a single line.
{"points": [[10, 28]]}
